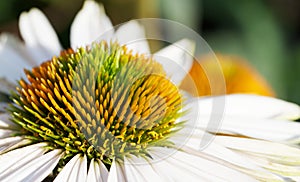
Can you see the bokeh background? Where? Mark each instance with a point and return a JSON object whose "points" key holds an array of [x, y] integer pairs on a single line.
{"points": [[264, 32]]}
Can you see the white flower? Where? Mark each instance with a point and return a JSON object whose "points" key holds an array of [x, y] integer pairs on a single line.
{"points": [[256, 141], [41, 41]]}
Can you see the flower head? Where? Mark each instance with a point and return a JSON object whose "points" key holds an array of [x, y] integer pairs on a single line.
{"points": [[239, 76], [105, 112], [101, 102]]}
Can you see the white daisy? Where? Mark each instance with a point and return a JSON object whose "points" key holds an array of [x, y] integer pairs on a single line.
{"points": [[107, 134]]}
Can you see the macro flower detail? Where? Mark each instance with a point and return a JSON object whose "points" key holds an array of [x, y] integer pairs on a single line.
{"points": [[105, 111], [128, 106], [101, 113]]}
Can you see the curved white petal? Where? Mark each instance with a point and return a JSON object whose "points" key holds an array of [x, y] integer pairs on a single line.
{"points": [[37, 169], [177, 59], [97, 172], [5, 133], [89, 24], [79, 171], [10, 140], [280, 153], [132, 34], [10, 143], [74, 170], [281, 169], [294, 178], [39, 36], [249, 115], [67, 169], [188, 167], [138, 169], [229, 158], [267, 129], [13, 59], [116, 172], [13, 160], [240, 163], [251, 106], [5, 121], [220, 152]]}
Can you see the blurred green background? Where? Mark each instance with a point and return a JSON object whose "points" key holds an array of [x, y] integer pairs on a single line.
{"points": [[265, 32]]}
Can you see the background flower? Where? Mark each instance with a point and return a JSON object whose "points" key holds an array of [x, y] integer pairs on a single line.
{"points": [[239, 76]]}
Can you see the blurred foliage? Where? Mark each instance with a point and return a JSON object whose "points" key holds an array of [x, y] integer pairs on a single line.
{"points": [[10, 9], [261, 32], [266, 33]]}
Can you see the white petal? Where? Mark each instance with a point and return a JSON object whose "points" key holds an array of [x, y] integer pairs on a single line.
{"points": [[37, 169], [67, 169], [234, 161], [74, 170], [6, 133], [267, 129], [10, 143], [132, 34], [196, 111], [271, 150], [225, 156], [138, 169], [79, 171], [280, 169], [39, 35], [13, 59], [250, 115], [13, 160], [89, 24], [5, 121], [189, 167], [294, 178], [229, 156], [10, 140], [170, 170], [177, 59], [116, 173], [97, 172], [252, 106]]}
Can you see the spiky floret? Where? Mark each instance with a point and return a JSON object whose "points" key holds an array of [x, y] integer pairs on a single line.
{"points": [[100, 101]]}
